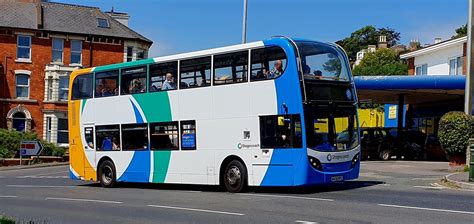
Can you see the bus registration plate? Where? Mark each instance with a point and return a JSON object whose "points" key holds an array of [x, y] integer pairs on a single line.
{"points": [[337, 178]]}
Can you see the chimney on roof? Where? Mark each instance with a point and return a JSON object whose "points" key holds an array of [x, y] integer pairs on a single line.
{"points": [[414, 45], [121, 17], [39, 15], [437, 40], [382, 42]]}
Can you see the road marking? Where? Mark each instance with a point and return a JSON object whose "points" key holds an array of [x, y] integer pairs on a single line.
{"points": [[45, 177], [85, 200], [286, 196], [430, 187], [8, 196], [197, 210], [46, 174], [305, 222], [427, 209], [39, 186]]}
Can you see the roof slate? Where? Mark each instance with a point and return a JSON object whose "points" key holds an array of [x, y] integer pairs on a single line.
{"points": [[64, 18]]}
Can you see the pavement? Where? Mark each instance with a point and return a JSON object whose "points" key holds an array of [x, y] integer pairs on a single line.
{"points": [[386, 192], [460, 180]]}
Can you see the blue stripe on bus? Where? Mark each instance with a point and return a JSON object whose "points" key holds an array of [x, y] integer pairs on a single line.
{"points": [[288, 95], [139, 168], [138, 116]]}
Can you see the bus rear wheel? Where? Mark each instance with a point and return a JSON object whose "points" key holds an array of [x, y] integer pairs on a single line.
{"points": [[107, 174], [235, 177]]}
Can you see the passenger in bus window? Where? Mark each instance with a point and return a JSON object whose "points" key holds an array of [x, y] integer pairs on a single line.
{"points": [[136, 86], [115, 144], [169, 83], [276, 71], [106, 143]]}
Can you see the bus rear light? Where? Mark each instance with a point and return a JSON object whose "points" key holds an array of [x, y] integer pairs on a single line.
{"points": [[315, 163]]}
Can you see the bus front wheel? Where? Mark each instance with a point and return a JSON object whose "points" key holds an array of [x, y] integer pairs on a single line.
{"points": [[235, 177], [107, 174]]}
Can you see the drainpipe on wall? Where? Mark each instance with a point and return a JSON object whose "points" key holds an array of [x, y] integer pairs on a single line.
{"points": [[90, 51]]}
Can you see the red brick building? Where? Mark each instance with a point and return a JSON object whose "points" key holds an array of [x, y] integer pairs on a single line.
{"points": [[41, 43]]}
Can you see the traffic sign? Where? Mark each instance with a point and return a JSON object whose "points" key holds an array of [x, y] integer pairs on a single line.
{"points": [[30, 148]]}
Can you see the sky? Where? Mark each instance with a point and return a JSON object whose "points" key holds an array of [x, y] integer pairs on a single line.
{"points": [[177, 26]]}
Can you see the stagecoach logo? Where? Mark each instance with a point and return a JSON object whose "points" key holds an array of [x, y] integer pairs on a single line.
{"points": [[245, 146], [337, 157]]}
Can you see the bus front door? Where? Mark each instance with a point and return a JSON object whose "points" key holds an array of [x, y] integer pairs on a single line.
{"points": [[89, 150]]}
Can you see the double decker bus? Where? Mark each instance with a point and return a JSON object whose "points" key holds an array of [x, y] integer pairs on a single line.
{"points": [[278, 112]]}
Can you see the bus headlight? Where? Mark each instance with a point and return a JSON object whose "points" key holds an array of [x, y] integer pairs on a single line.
{"points": [[315, 163], [355, 160]]}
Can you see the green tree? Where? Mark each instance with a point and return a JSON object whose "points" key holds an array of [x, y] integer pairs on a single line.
{"points": [[383, 61], [368, 35], [461, 31]]}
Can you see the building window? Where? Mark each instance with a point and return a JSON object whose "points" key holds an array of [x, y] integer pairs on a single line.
{"points": [[164, 136], [129, 53], [50, 88], [141, 54], [421, 69], [48, 128], [63, 88], [455, 66], [19, 121], [103, 23], [62, 131], [76, 52], [22, 86], [135, 136], [108, 138], [24, 47], [188, 135], [58, 48]]}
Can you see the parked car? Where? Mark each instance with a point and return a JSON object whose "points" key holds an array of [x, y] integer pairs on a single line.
{"points": [[417, 145], [377, 143]]}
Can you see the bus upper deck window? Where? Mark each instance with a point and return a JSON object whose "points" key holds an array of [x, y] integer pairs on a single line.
{"points": [[163, 76], [82, 87], [133, 80], [106, 83], [195, 73], [268, 63]]}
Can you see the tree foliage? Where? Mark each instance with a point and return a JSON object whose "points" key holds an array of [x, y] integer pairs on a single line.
{"points": [[455, 129], [461, 31], [381, 62], [368, 35]]}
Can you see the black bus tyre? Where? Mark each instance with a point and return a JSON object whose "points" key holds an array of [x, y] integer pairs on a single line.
{"points": [[235, 177], [107, 175]]}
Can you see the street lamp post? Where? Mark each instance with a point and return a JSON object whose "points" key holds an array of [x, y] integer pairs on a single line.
{"points": [[244, 24], [470, 66]]}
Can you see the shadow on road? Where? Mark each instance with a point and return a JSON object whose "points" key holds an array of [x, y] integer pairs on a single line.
{"points": [[339, 186]]}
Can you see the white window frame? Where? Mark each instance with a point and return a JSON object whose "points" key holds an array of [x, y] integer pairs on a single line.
{"points": [[59, 87], [57, 50], [456, 61], [18, 46], [77, 52], [421, 67], [27, 74]]}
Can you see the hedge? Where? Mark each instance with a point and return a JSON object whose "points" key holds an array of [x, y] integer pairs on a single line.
{"points": [[10, 143], [455, 129]]}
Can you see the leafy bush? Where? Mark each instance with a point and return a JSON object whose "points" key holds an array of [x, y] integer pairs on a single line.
{"points": [[455, 129], [50, 149], [6, 220], [10, 141]]}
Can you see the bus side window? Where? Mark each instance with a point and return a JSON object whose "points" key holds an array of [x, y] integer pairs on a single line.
{"points": [[108, 137], [267, 63], [106, 83], [195, 73], [164, 136], [82, 87], [280, 131], [159, 76], [135, 136], [188, 135], [89, 137], [230, 68], [133, 80]]}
